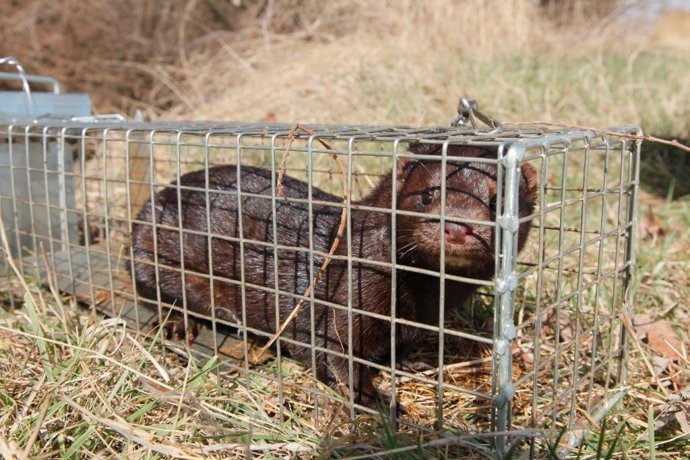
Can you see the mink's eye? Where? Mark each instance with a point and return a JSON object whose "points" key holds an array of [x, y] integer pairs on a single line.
{"points": [[428, 196]]}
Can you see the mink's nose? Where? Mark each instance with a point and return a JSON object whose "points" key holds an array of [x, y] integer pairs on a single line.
{"points": [[457, 233]]}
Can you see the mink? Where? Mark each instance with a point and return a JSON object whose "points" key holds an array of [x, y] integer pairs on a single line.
{"points": [[470, 194]]}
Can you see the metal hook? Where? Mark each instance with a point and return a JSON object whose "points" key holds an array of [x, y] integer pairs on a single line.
{"points": [[9, 60], [468, 113]]}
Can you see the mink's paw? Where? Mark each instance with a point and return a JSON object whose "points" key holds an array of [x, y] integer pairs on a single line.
{"points": [[174, 329], [414, 366]]}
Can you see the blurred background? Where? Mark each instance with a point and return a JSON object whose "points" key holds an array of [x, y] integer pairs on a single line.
{"points": [[587, 62], [594, 62]]}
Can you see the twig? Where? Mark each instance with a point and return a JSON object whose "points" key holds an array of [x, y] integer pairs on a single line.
{"points": [[336, 240], [645, 137], [283, 163]]}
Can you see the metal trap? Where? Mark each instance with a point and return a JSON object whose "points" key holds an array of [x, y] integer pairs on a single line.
{"points": [[541, 348]]}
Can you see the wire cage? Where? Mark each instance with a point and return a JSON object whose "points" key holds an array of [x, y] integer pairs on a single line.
{"points": [[535, 358]]}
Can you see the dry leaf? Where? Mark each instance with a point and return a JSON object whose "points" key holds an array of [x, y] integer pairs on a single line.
{"points": [[234, 348], [523, 356], [663, 339], [101, 296], [681, 416], [650, 226], [565, 322]]}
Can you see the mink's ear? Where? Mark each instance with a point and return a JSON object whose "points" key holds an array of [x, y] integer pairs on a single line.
{"points": [[405, 165], [472, 151], [402, 171], [421, 148]]}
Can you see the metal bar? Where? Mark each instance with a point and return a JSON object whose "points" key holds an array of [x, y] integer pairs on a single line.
{"points": [[61, 192], [578, 298], [350, 315], [441, 286], [599, 280], [630, 247], [312, 269], [21, 75], [181, 235], [539, 289], [106, 225], [130, 206], [559, 288], [31, 202], [11, 143], [506, 283], [209, 244], [243, 287], [154, 231], [276, 265], [32, 79]]}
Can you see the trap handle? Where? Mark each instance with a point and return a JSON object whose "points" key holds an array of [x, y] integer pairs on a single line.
{"points": [[39, 103], [20, 75], [469, 113]]}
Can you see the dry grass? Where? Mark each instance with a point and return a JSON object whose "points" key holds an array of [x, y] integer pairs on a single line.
{"points": [[72, 385], [407, 64]]}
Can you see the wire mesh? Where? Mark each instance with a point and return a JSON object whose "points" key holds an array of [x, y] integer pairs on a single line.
{"points": [[538, 350]]}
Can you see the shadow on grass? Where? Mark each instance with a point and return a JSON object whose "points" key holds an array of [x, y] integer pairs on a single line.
{"points": [[665, 170]]}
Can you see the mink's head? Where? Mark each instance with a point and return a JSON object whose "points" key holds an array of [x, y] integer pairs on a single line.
{"points": [[470, 207]]}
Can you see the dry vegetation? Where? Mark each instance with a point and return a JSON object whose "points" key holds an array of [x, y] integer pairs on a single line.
{"points": [[72, 386]]}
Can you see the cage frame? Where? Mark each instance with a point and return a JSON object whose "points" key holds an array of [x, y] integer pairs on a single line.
{"points": [[505, 281]]}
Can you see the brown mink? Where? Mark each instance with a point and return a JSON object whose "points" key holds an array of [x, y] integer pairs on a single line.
{"points": [[470, 194]]}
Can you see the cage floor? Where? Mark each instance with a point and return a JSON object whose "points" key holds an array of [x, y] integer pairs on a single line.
{"points": [[97, 277], [94, 277]]}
